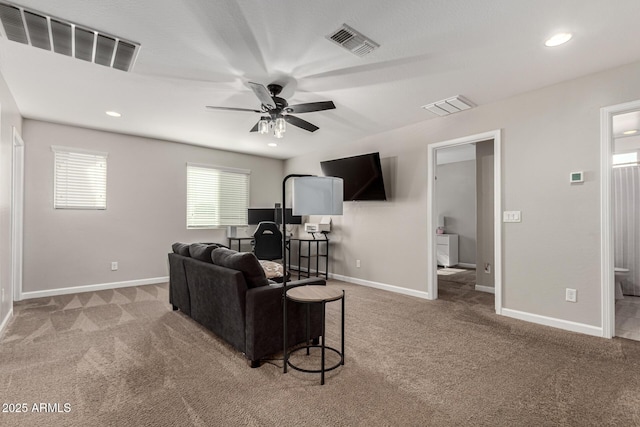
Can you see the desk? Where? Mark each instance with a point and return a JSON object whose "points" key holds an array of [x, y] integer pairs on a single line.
{"points": [[239, 240], [302, 272], [314, 294]]}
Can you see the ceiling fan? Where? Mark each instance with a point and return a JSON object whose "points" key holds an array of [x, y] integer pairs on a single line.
{"points": [[276, 111]]}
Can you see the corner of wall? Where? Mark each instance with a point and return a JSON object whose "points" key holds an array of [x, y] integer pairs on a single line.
{"points": [[5, 322]]}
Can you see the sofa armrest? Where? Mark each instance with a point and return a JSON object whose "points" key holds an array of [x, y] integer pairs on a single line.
{"points": [[264, 321]]}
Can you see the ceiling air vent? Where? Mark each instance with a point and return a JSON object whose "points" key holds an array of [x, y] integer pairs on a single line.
{"points": [[353, 41], [449, 106], [45, 32]]}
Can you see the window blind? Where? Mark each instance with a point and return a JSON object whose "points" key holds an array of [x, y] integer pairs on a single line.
{"points": [[216, 197], [80, 179]]}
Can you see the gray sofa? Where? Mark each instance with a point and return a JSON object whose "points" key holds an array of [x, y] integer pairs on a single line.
{"points": [[228, 293]]}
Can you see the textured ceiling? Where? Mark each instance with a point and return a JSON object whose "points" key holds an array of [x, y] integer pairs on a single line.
{"points": [[202, 52]]}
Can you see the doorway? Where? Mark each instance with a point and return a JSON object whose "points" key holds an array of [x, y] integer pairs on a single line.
{"points": [[434, 220], [620, 184]]}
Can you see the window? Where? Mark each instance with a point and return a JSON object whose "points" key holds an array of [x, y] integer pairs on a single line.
{"points": [[216, 197], [625, 159], [80, 179]]}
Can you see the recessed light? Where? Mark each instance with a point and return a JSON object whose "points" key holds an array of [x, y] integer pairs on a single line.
{"points": [[630, 132], [272, 144], [558, 39], [113, 114]]}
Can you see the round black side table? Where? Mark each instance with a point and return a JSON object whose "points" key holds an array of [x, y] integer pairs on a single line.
{"points": [[315, 294]]}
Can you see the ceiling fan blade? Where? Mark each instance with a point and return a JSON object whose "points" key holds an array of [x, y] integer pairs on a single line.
{"points": [[296, 121], [255, 128], [311, 106], [263, 95], [232, 109]]}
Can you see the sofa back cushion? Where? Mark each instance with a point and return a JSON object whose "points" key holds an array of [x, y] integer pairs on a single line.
{"points": [[181, 249], [246, 262], [202, 251]]}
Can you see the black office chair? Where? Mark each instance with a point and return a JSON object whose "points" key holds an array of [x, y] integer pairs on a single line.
{"points": [[267, 241]]}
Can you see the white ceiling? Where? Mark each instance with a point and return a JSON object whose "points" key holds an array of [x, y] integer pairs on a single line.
{"points": [[202, 52]]}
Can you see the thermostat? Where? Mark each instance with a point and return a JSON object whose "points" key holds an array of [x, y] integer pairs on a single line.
{"points": [[576, 177]]}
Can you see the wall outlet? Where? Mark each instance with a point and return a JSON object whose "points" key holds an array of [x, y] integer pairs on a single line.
{"points": [[487, 268], [114, 265], [511, 216], [571, 295], [357, 263]]}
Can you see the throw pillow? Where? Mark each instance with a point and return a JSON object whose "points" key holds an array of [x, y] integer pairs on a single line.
{"points": [[272, 269], [202, 251], [180, 249], [246, 262]]}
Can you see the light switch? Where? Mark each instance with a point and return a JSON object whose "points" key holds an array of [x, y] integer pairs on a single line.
{"points": [[511, 216]]}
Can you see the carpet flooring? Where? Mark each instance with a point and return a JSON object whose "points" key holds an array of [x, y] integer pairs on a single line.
{"points": [[123, 358]]}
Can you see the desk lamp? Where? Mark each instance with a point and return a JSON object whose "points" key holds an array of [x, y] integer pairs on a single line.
{"points": [[312, 195]]}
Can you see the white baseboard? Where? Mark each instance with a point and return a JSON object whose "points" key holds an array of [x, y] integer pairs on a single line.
{"points": [[91, 288], [483, 288], [383, 286], [465, 265], [5, 321], [556, 323], [521, 315]]}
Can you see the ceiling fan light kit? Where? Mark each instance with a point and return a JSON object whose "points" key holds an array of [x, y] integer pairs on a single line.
{"points": [[279, 111], [263, 126]]}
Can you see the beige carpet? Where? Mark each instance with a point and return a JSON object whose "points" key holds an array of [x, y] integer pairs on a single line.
{"points": [[123, 358]]}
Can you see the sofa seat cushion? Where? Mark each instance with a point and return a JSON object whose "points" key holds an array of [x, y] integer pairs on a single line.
{"points": [[246, 262], [181, 249], [202, 251]]}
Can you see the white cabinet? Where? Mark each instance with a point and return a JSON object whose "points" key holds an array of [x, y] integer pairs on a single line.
{"points": [[447, 249]]}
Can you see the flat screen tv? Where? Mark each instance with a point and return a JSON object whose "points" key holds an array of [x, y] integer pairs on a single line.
{"points": [[362, 176]]}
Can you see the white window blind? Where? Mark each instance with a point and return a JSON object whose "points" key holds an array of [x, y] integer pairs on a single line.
{"points": [[216, 197], [80, 179]]}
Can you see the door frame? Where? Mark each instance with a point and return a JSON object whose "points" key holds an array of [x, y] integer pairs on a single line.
{"points": [[17, 214], [432, 276], [608, 312]]}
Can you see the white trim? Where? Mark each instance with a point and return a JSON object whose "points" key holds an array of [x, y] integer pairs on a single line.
{"points": [[489, 289], [553, 322], [432, 279], [91, 288], [5, 321], [17, 214], [383, 286], [465, 265], [608, 314], [62, 149], [220, 168]]}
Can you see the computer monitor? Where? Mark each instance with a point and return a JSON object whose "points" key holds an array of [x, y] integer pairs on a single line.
{"points": [[291, 218], [257, 215]]}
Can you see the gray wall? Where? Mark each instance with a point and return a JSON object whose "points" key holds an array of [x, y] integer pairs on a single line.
{"points": [[9, 118], [146, 197], [456, 200], [485, 215], [547, 133]]}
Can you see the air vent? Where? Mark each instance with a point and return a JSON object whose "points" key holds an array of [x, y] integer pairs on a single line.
{"points": [[449, 106], [353, 41], [45, 32]]}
